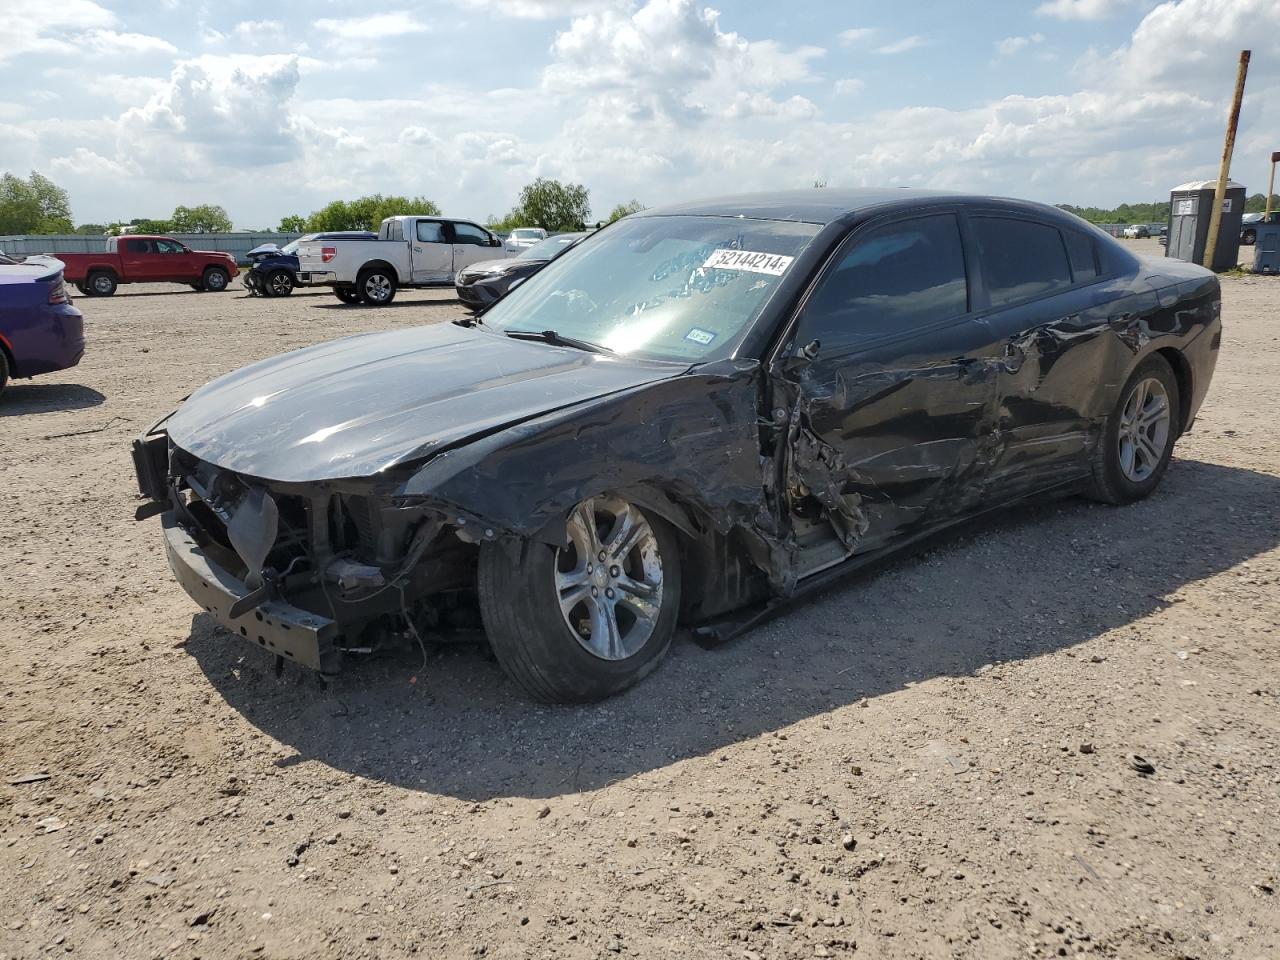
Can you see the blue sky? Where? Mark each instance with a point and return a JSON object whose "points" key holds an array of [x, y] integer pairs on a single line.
{"points": [[136, 106]]}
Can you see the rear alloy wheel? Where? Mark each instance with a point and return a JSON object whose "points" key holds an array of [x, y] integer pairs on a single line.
{"points": [[101, 284], [582, 621], [215, 280], [279, 283], [1137, 443], [377, 286], [347, 294]]}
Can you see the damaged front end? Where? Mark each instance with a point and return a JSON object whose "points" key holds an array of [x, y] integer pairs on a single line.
{"points": [[311, 572]]}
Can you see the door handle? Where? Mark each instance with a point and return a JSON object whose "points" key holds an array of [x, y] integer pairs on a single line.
{"points": [[417, 249]]}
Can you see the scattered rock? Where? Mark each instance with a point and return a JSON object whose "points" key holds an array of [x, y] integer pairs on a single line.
{"points": [[848, 841], [1142, 766], [544, 811], [1086, 748]]}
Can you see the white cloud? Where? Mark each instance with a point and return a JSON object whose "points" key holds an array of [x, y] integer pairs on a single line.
{"points": [[1011, 45], [255, 32], [848, 86], [855, 34], [377, 26], [1081, 9], [903, 45], [541, 9], [24, 15], [108, 43]]}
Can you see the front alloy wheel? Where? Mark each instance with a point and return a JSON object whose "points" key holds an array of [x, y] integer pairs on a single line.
{"points": [[609, 578], [590, 617]]}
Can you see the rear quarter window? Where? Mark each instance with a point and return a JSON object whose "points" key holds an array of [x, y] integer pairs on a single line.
{"points": [[1021, 259], [1083, 254]]}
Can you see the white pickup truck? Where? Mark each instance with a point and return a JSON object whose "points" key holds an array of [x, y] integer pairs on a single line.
{"points": [[409, 252]]}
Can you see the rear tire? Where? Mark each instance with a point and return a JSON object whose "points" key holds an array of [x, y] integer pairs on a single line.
{"points": [[377, 286], [101, 283], [347, 294], [1137, 441], [4, 371], [531, 593], [278, 283], [215, 280]]}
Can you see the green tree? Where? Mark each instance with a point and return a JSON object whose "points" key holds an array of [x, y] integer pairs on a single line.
{"points": [[294, 224], [206, 218], [141, 225], [91, 229], [366, 213], [551, 205], [624, 210], [34, 205], [1257, 203]]}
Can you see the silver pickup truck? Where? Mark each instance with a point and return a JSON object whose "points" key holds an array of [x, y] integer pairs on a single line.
{"points": [[409, 252]]}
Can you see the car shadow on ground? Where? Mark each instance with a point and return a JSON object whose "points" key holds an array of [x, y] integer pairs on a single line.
{"points": [[22, 398], [393, 305], [1040, 579]]}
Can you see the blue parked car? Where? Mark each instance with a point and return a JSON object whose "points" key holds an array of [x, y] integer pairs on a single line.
{"points": [[40, 331], [273, 270]]}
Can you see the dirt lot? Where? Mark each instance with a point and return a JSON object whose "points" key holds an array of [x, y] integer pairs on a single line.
{"points": [[934, 761]]}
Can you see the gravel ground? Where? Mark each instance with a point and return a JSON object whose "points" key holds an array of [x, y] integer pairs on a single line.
{"points": [[933, 761]]}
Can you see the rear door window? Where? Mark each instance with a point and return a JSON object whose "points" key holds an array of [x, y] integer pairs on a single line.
{"points": [[1021, 260], [397, 230], [1083, 256], [896, 279], [136, 246], [430, 231]]}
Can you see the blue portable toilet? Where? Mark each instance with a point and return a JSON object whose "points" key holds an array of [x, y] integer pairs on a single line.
{"points": [[1266, 251]]}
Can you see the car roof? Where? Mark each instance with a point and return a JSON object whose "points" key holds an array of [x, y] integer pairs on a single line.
{"points": [[825, 205]]}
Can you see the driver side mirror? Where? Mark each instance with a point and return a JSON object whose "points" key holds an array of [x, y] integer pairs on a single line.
{"points": [[803, 357], [495, 241]]}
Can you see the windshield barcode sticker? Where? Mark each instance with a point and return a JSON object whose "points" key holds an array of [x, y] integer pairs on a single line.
{"points": [[773, 264]]}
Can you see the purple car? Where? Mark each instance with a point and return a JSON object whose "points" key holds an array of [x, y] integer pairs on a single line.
{"points": [[40, 331]]}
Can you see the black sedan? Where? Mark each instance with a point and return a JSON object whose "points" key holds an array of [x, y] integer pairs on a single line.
{"points": [[488, 281], [695, 415]]}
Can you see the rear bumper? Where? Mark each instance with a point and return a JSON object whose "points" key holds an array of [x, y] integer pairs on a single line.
{"points": [[49, 338], [305, 638]]}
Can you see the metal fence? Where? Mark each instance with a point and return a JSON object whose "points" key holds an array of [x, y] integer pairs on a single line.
{"points": [[237, 244]]}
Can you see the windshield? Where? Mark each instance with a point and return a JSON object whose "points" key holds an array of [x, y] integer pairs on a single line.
{"points": [[526, 234], [549, 247], [673, 288]]}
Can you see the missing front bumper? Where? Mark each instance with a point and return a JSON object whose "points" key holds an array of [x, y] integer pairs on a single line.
{"points": [[298, 635]]}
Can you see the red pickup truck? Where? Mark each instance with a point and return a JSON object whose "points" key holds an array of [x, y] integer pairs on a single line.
{"points": [[145, 259]]}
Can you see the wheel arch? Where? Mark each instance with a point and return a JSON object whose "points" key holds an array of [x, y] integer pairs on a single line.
{"points": [[7, 349], [379, 265], [1183, 375]]}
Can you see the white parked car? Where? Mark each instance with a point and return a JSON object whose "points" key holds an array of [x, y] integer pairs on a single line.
{"points": [[522, 238], [409, 252], [1137, 231]]}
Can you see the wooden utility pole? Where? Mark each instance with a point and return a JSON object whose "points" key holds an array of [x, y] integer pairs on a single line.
{"points": [[1271, 184], [1233, 121]]}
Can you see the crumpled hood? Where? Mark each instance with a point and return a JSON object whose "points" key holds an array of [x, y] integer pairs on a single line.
{"points": [[357, 406]]}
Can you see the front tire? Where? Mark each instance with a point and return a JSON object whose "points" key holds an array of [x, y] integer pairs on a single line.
{"points": [[215, 280], [278, 283], [1137, 442], [569, 627], [377, 286]]}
